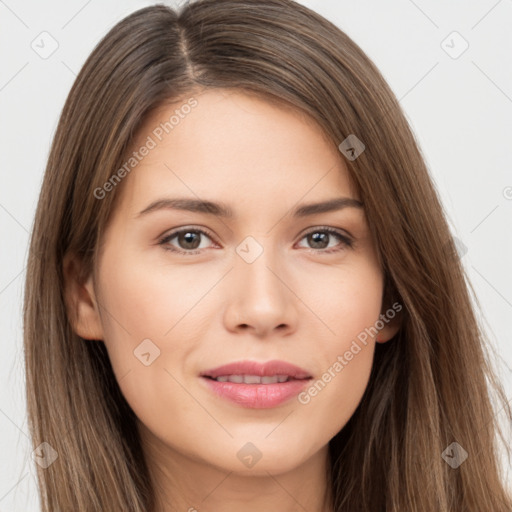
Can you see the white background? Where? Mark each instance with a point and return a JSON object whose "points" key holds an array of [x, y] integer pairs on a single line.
{"points": [[459, 108]]}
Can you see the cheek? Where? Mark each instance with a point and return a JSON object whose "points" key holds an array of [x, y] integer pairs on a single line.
{"points": [[150, 330], [141, 301], [350, 307], [169, 311], [332, 396], [153, 298], [347, 300]]}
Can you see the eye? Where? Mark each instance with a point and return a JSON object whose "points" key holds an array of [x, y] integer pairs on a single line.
{"points": [[188, 238], [319, 237]]}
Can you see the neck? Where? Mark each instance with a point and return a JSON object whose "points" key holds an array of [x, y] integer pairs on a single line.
{"points": [[194, 485]]}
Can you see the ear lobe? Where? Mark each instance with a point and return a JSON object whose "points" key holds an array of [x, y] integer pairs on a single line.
{"points": [[391, 312], [392, 320], [387, 332], [80, 298]]}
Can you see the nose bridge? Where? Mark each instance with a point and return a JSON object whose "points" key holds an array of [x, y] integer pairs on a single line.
{"points": [[256, 264], [260, 296]]}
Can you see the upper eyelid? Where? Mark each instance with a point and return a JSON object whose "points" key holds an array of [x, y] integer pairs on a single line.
{"points": [[176, 231], [206, 232]]}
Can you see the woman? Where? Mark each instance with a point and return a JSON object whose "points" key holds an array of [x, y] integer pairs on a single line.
{"points": [[258, 368]]}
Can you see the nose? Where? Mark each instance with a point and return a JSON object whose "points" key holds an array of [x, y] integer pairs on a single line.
{"points": [[261, 297]]}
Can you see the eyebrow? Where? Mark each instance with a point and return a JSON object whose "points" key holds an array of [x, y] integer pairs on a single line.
{"points": [[223, 210]]}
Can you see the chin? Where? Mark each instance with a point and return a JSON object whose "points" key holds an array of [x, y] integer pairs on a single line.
{"points": [[260, 458]]}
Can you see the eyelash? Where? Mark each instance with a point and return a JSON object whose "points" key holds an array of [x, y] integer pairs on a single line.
{"points": [[346, 241]]}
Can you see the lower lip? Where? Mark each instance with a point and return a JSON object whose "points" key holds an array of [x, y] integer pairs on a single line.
{"points": [[257, 396]]}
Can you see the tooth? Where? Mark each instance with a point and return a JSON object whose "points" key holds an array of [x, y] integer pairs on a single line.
{"points": [[252, 379]]}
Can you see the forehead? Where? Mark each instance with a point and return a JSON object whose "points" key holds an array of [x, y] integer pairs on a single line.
{"points": [[234, 145]]}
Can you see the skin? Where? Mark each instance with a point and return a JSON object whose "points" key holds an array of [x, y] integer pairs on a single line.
{"points": [[294, 302]]}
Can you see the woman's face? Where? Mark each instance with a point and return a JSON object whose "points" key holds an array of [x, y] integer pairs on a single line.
{"points": [[264, 284]]}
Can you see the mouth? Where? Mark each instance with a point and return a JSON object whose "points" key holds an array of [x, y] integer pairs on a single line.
{"points": [[256, 385], [253, 372], [253, 379]]}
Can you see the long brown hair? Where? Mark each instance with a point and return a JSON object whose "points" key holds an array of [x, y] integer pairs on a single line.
{"points": [[429, 385]]}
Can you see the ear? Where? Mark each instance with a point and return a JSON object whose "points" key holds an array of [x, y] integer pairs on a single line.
{"points": [[391, 316], [387, 332], [81, 302]]}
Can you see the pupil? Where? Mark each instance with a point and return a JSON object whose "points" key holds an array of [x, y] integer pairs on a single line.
{"points": [[186, 237], [316, 237]]}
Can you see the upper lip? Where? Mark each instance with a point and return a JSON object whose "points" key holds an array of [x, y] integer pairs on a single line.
{"points": [[269, 369]]}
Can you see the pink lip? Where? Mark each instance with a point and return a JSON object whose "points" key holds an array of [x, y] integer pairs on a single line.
{"points": [[268, 369], [257, 396]]}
